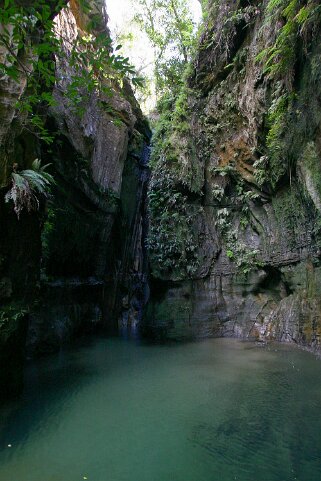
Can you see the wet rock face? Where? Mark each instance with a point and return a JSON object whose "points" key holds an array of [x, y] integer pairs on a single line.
{"points": [[84, 252], [67, 308], [260, 307], [95, 243], [253, 139], [12, 342]]}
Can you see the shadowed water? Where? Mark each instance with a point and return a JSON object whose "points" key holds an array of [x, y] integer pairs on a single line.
{"points": [[219, 410]]}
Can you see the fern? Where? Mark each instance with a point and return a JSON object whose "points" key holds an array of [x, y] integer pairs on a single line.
{"points": [[274, 4], [28, 186], [279, 58]]}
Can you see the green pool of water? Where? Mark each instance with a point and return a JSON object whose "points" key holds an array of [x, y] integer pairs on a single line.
{"points": [[115, 410]]}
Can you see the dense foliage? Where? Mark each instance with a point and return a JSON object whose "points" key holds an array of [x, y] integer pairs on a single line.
{"points": [[170, 28], [32, 46], [279, 62]]}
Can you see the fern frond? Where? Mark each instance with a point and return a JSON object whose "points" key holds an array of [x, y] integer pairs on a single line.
{"points": [[27, 185]]}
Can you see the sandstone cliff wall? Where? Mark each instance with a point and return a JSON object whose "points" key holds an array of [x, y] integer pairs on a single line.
{"points": [[242, 163], [75, 265]]}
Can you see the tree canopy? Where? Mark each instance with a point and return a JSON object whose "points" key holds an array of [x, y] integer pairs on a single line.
{"points": [[170, 28]]}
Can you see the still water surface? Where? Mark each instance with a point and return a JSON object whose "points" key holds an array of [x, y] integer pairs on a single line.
{"points": [[115, 410]]}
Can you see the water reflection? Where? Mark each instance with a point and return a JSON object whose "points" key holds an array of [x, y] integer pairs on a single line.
{"points": [[120, 410]]}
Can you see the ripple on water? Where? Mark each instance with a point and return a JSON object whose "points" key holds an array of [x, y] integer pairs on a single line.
{"points": [[122, 411]]}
